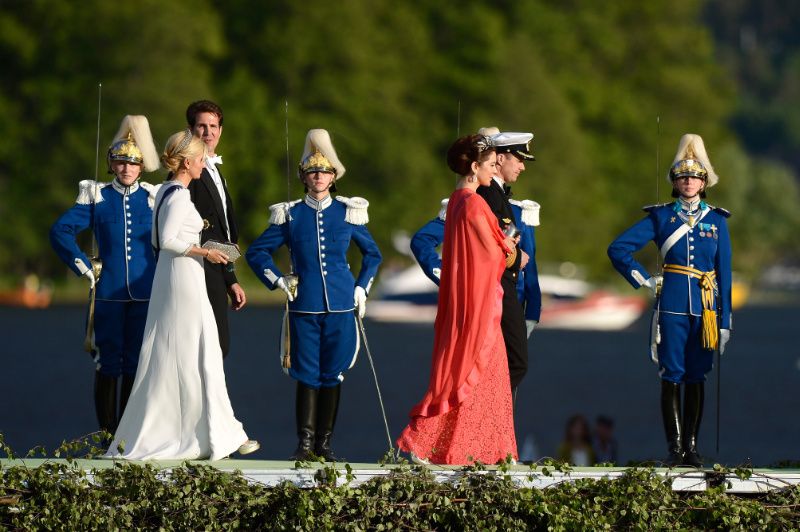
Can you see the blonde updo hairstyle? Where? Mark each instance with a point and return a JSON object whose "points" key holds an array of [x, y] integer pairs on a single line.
{"points": [[181, 146]]}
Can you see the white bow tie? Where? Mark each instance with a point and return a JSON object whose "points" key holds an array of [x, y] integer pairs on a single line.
{"points": [[214, 159]]}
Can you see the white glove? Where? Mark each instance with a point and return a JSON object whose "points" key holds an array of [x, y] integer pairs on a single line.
{"points": [[437, 272], [360, 300], [652, 283], [530, 325], [724, 337], [89, 274], [281, 283]]}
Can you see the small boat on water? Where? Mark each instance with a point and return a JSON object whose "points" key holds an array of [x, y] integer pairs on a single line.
{"points": [[31, 294], [409, 296]]}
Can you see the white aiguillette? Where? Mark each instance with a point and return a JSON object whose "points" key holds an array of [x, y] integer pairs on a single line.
{"points": [[228, 248]]}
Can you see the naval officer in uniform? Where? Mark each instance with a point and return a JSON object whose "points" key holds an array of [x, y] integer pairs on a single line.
{"points": [[692, 315], [120, 215], [513, 149], [322, 292]]}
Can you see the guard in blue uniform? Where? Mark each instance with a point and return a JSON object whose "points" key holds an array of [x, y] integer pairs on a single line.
{"points": [[120, 215], [322, 293], [692, 315]]}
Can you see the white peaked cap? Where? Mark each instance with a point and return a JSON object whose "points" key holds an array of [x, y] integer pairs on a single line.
{"points": [[488, 131], [139, 129], [691, 146], [320, 140], [510, 138]]}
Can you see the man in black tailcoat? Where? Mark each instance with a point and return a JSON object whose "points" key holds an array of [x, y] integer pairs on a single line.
{"points": [[514, 148], [213, 201]]}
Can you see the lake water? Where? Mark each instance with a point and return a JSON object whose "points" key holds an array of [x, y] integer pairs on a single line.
{"points": [[46, 381]]}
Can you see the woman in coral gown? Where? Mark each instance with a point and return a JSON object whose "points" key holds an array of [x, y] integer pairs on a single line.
{"points": [[466, 414]]}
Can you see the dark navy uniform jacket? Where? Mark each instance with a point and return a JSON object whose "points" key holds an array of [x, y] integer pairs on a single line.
{"points": [[122, 218], [431, 235], [705, 247], [319, 235]]}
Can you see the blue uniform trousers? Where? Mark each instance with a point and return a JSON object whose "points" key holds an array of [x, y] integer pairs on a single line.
{"points": [[323, 346], [681, 356], [118, 332]]}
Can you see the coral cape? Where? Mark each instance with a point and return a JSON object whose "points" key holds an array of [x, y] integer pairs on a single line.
{"points": [[470, 303]]}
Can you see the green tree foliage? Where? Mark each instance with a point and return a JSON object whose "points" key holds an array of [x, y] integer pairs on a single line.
{"points": [[150, 58], [759, 45], [387, 79]]}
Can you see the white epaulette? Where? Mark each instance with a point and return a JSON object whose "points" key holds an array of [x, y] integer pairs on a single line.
{"points": [[89, 192], [648, 208], [279, 212], [356, 210], [152, 191], [530, 211], [443, 210]]}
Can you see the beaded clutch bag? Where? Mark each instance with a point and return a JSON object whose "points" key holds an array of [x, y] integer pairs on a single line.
{"points": [[228, 248]]}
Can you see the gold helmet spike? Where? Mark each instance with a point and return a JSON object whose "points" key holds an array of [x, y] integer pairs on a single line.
{"points": [[320, 154], [134, 143], [692, 159]]}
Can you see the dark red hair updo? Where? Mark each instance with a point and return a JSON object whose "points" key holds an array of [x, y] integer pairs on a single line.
{"points": [[465, 151]]}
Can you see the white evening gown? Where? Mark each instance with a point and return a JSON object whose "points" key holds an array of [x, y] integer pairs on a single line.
{"points": [[179, 406]]}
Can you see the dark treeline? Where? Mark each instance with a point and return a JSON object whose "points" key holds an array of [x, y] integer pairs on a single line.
{"points": [[388, 79]]}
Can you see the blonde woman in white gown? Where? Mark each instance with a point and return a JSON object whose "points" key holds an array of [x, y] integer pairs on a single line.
{"points": [[179, 406]]}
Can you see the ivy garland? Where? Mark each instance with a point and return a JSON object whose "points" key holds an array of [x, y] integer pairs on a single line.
{"points": [[62, 496]]}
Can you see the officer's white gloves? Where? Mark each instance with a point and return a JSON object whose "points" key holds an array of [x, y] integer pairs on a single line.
{"points": [[724, 337], [530, 325], [283, 285], [437, 272], [360, 300], [89, 274], [652, 283]]}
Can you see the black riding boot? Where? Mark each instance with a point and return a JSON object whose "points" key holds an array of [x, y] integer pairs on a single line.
{"points": [[125, 392], [306, 418], [692, 414], [326, 419], [671, 414], [105, 401]]}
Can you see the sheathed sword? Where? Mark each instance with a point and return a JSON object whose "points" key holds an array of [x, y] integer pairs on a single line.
{"points": [[655, 327], [291, 278], [94, 261]]}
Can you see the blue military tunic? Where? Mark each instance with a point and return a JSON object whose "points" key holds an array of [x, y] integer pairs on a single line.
{"points": [[121, 219], [697, 240], [431, 235], [324, 342]]}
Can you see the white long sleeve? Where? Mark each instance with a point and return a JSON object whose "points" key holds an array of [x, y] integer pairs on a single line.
{"points": [[176, 210]]}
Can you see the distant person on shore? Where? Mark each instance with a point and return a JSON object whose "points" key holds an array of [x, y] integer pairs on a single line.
{"points": [[322, 340], [692, 314], [576, 449], [512, 151], [179, 407], [119, 214], [213, 201], [467, 411], [604, 443]]}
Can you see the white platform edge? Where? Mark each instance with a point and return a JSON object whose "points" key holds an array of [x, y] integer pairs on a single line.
{"points": [[691, 480]]}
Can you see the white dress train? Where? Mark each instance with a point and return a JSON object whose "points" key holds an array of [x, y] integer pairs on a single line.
{"points": [[179, 406]]}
